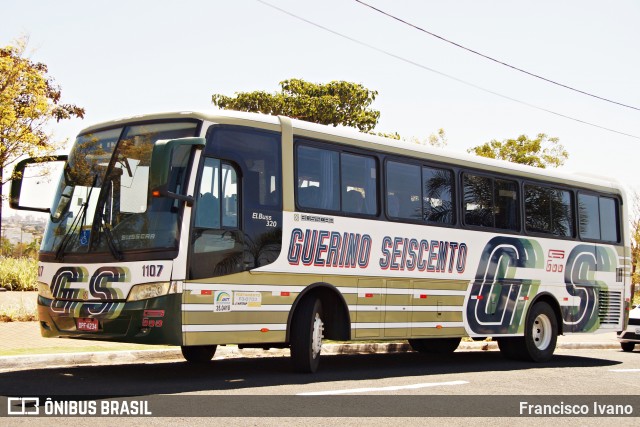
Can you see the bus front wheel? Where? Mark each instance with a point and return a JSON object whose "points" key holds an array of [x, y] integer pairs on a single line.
{"points": [[198, 353], [307, 329]]}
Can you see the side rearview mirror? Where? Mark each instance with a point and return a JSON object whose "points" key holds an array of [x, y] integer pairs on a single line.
{"points": [[167, 157], [31, 168]]}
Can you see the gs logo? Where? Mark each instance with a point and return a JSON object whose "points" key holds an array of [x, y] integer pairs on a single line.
{"points": [[99, 283]]}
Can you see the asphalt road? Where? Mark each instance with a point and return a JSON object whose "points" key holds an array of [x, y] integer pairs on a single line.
{"points": [[345, 381]]}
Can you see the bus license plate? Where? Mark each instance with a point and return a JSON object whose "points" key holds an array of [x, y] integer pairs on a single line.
{"points": [[88, 325]]}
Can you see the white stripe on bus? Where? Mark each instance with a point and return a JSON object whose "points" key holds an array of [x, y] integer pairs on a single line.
{"points": [[409, 308], [253, 327], [243, 288], [234, 328], [416, 293], [407, 325], [352, 308], [212, 307]]}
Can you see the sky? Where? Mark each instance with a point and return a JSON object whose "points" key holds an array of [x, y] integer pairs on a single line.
{"points": [[121, 58]]}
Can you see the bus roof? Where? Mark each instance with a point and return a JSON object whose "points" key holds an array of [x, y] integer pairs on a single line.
{"points": [[353, 137]]}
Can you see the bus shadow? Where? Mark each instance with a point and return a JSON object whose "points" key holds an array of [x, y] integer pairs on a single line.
{"points": [[244, 373]]}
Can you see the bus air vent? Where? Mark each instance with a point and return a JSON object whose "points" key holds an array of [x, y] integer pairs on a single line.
{"points": [[610, 307]]}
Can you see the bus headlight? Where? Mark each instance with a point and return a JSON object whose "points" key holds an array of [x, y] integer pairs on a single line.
{"points": [[153, 290], [44, 290]]}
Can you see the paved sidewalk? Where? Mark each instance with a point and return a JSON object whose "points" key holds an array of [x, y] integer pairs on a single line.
{"points": [[22, 347]]}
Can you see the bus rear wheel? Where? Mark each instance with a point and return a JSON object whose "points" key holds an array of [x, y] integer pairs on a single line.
{"points": [[198, 353], [307, 328], [540, 336], [435, 345]]}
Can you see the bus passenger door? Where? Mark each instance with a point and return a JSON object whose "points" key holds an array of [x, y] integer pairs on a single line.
{"points": [[216, 240]]}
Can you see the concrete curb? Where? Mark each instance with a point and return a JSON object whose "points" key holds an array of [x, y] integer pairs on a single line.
{"points": [[8, 363]]}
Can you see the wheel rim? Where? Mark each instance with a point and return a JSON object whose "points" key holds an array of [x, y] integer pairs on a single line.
{"points": [[316, 338], [542, 332]]}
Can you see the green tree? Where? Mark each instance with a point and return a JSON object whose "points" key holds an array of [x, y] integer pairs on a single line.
{"points": [[29, 100], [6, 248], [438, 139], [334, 103], [541, 151]]}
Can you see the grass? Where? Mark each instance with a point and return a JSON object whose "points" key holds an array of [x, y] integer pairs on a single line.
{"points": [[18, 274], [18, 312]]}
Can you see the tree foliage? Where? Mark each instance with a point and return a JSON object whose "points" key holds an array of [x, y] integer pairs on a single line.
{"points": [[541, 151], [438, 140], [29, 100], [19, 250], [334, 103]]}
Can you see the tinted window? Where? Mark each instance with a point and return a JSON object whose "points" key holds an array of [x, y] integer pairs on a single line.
{"points": [[209, 204], [318, 180], [562, 213], [331, 180], [437, 203], [548, 210], [403, 191], [358, 184], [608, 219], [250, 193], [208, 198], [589, 216], [506, 204], [478, 201], [490, 202]]}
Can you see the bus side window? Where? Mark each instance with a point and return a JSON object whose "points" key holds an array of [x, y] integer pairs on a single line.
{"points": [[208, 212], [318, 178], [208, 203], [230, 196], [359, 184]]}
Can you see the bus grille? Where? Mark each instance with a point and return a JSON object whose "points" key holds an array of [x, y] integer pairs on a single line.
{"points": [[610, 307]]}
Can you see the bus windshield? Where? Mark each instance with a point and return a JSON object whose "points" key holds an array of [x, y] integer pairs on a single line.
{"points": [[102, 203]]}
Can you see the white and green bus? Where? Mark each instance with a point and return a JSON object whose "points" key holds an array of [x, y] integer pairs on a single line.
{"points": [[206, 229]]}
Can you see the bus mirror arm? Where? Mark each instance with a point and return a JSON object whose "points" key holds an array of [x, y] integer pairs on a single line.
{"points": [[163, 192], [187, 199]]}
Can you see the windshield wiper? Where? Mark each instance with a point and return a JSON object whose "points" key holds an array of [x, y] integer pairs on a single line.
{"points": [[111, 243], [80, 219]]}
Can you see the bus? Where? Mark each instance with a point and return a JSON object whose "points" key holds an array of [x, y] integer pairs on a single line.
{"points": [[200, 229]]}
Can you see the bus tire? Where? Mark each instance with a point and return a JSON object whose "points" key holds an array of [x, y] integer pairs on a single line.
{"points": [[435, 345], [306, 335], [198, 353], [540, 333], [627, 346]]}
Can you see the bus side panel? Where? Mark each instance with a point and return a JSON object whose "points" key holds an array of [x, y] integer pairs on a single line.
{"points": [[241, 308]]}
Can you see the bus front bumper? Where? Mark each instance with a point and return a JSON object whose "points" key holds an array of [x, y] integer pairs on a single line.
{"points": [[152, 321]]}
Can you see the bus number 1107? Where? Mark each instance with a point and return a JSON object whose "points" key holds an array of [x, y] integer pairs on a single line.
{"points": [[151, 270]]}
